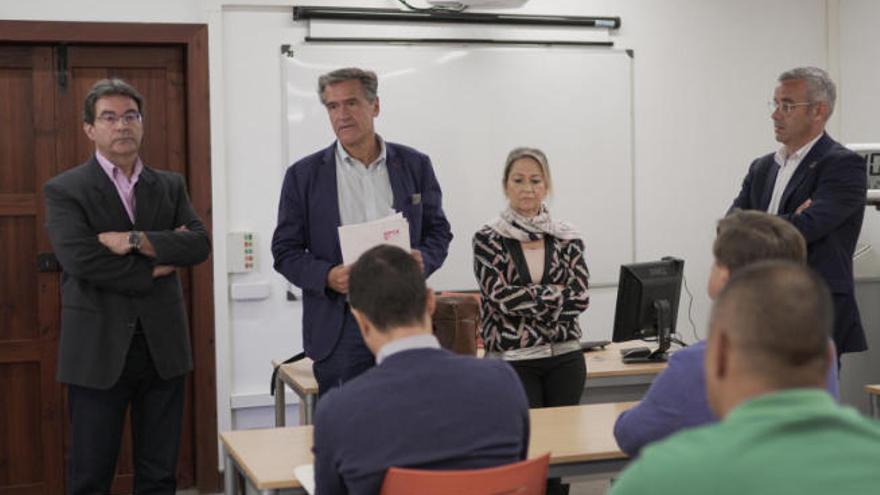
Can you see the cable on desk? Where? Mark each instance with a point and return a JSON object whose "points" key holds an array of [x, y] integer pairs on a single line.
{"points": [[690, 308]]}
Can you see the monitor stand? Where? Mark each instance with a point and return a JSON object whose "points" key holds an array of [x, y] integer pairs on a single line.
{"points": [[663, 322]]}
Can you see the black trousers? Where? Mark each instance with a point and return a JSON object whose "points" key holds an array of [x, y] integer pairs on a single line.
{"points": [[553, 381], [97, 419], [350, 358]]}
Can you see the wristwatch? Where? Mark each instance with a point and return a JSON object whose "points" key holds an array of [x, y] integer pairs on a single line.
{"points": [[134, 240]]}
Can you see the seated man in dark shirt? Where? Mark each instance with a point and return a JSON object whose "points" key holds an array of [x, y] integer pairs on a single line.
{"points": [[677, 397], [421, 406]]}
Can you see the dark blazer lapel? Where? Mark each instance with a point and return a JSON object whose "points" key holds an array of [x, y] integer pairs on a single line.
{"points": [[769, 182], [403, 196], [395, 176], [108, 193], [146, 195], [807, 164], [326, 193]]}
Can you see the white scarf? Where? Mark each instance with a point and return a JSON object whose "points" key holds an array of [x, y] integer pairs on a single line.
{"points": [[515, 226]]}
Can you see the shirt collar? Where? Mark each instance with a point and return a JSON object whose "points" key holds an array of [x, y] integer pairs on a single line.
{"points": [[112, 170], [797, 156], [424, 341], [784, 403], [350, 160]]}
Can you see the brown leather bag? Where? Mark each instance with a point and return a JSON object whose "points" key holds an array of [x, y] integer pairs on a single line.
{"points": [[455, 321]]}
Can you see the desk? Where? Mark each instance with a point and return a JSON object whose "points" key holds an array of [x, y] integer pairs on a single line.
{"points": [[608, 380], [874, 396], [580, 440], [301, 379]]}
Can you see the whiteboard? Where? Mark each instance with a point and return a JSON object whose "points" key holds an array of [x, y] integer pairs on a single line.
{"points": [[467, 106]]}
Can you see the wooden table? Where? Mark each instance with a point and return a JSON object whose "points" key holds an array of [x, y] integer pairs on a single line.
{"points": [[301, 379], [580, 440], [874, 396], [608, 380], [265, 458]]}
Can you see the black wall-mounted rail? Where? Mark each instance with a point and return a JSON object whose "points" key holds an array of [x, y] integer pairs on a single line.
{"points": [[454, 41], [362, 14]]}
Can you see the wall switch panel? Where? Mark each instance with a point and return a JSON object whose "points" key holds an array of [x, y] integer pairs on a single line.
{"points": [[242, 255]]}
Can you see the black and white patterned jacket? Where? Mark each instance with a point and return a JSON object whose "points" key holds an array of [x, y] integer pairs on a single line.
{"points": [[517, 313]]}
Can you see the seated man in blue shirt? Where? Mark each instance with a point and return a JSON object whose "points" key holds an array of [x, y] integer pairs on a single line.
{"points": [[677, 397], [767, 358], [421, 406]]}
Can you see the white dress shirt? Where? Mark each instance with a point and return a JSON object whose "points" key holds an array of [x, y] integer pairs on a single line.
{"points": [[426, 341], [787, 165], [364, 192]]}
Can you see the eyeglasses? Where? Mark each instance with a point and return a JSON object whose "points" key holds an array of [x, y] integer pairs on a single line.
{"points": [[786, 107], [128, 118]]}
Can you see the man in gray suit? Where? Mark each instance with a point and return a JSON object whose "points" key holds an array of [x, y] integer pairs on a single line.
{"points": [[119, 229]]}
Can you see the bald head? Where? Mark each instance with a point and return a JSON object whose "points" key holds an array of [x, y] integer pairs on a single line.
{"points": [[769, 330]]}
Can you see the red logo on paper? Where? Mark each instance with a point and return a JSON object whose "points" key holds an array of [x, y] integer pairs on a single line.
{"points": [[390, 234]]}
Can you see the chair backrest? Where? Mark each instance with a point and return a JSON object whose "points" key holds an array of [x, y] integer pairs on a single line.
{"points": [[455, 321], [527, 477]]}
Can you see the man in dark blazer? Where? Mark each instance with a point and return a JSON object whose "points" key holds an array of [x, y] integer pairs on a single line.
{"points": [[819, 186], [421, 406], [357, 179], [119, 229]]}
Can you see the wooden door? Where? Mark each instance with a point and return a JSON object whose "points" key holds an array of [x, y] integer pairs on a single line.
{"points": [[31, 409], [42, 89]]}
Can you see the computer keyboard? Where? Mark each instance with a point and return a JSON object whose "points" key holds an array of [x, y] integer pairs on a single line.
{"points": [[641, 355], [594, 345], [636, 351]]}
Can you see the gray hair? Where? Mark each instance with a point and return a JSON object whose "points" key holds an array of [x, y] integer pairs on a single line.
{"points": [[533, 153], [109, 87], [367, 78], [820, 87]]}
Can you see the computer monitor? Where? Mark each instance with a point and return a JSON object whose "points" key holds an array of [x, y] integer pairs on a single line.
{"points": [[647, 306]]}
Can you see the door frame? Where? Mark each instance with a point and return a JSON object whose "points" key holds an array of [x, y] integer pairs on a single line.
{"points": [[194, 38]]}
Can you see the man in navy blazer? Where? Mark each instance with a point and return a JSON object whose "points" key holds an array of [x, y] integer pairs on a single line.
{"points": [[819, 186], [421, 406], [357, 179]]}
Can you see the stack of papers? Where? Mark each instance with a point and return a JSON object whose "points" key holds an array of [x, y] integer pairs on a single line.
{"points": [[360, 237], [305, 474]]}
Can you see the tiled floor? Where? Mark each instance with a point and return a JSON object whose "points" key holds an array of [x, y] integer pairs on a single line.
{"points": [[589, 488], [581, 488]]}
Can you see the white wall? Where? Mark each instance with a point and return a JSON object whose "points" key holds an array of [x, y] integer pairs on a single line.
{"points": [[859, 85], [700, 98], [859, 106], [703, 72]]}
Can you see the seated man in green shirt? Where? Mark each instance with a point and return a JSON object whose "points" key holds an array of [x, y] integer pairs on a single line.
{"points": [[781, 433]]}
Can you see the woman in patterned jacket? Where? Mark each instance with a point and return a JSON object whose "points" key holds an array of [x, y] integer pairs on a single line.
{"points": [[533, 286]]}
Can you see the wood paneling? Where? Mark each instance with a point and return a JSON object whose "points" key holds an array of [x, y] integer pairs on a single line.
{"points": [[18, 282], [19, 464], [30, 398], [17, 120]]}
